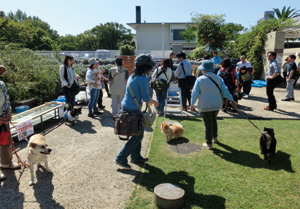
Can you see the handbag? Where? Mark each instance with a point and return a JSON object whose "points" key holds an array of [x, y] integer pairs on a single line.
{"points": [[148, 115], [4, 134], [217, 87], [189, 80], [75, 88], [128, 124]]}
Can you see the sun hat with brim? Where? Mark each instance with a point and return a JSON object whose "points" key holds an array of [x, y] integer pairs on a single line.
{"points": [[2, 69], [207, 65], [143, 59], [93, 61]]}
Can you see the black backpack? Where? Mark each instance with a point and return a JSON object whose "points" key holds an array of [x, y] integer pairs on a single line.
{"points": [[228, 78]]}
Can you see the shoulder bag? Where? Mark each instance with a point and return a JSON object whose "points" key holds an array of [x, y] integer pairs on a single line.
{"points": [[217, 87], [75, 88], [4, 134], [148, 115], [189, 80]]}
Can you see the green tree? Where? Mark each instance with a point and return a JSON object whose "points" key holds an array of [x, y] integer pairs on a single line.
{"points": [[210, 32], [285, 13], [252, 43]]}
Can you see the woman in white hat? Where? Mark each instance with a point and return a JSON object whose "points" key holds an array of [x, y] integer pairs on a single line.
{"points": [[94, 83]]}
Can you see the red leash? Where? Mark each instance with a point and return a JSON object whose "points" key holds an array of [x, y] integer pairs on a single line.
{"points": [[13, 146]]}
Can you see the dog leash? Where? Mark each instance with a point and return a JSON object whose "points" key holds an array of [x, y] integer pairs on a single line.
{"points": [[244, 115], [22, 163]]}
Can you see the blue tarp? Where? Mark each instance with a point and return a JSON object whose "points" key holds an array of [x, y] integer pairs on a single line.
{"points": [[259, 83]]}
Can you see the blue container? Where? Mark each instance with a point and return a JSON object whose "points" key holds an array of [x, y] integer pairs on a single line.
{"points": [[61, 99], [22, 108]]}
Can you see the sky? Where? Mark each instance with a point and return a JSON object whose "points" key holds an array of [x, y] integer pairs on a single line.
{"points": [[76, 16]]}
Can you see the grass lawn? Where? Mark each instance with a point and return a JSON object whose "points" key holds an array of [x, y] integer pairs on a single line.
{"points": [[233, 174]]}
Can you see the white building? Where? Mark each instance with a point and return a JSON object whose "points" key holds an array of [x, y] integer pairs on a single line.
{"points": [[265, 15], [160, 37]]}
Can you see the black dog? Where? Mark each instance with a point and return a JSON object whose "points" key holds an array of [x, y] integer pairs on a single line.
{"points": [[268, 144]]}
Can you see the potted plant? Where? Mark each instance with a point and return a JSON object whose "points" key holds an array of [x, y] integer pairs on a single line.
{"points": [[127, 53]]}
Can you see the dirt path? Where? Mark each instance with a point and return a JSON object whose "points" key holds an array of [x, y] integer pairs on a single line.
{"points": [[84, 174]]}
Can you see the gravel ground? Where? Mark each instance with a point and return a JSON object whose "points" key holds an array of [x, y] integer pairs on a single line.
{"points": [[84, 173]]}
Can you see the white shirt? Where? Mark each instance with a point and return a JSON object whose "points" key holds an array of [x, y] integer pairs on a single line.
{"points": [[71, 76], [240, 64], [162, 75], [90, 79]]}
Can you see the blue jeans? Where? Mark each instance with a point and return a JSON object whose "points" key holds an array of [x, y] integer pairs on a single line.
{"points": [[133, 145], [161, 98], [69, 100], [94, 93]]}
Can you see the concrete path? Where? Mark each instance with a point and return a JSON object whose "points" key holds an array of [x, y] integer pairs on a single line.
{"points": [[84, 174]]}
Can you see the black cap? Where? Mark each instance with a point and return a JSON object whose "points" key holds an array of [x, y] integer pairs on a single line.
{"points": [[143, 59]]}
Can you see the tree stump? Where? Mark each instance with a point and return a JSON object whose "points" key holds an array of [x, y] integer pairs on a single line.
{"points": [[169, 196]]}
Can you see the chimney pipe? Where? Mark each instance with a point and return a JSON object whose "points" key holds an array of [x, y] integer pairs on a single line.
{"points": [[138, 14]]}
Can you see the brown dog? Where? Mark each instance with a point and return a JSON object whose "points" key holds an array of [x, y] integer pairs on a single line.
{"points": [[37, 152], [171, 130]]}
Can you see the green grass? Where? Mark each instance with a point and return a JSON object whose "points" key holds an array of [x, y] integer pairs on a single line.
{"points": [[233, 174]]}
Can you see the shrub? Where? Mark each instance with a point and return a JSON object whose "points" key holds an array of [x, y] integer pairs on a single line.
{"points": [[29, 75], [126, 50]]}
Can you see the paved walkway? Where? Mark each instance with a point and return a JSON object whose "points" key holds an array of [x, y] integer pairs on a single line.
{"points": [[84, 174]]}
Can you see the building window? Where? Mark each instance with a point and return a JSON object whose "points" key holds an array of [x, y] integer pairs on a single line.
{"points": [[176, 35]]}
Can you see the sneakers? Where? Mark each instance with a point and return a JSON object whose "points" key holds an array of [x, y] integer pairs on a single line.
{"points": [[97, 113], [91, 115], [215, 140], [208, 146], [2, 176], [11, 166], [124, 165], [246, 96], [287, 100], [141, 161], [101, 107]]}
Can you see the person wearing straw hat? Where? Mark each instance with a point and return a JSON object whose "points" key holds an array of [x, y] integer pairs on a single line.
{"points": [[210, 89], [5, 118]]}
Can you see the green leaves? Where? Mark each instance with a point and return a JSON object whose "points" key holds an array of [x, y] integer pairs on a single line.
{"points": [[29, 75]]}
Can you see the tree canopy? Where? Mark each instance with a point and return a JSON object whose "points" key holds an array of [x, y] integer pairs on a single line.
{"points": [[211, 32], [285, 13]]}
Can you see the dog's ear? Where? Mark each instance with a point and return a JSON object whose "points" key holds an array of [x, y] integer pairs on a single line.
{"points": [[33, 145]]}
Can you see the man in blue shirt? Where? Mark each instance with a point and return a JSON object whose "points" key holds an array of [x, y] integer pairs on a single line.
{"points": [[217, 61], [274, 78]]}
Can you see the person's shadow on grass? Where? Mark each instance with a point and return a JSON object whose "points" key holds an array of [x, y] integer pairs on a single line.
{"points": [[43, 189], [281, 160], [156, 176]]}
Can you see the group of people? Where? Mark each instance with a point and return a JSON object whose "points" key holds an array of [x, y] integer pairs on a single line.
{"points": [[217, 80]]}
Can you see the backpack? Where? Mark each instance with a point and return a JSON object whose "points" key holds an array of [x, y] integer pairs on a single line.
{"points": [[228, 76], [159, 84]]}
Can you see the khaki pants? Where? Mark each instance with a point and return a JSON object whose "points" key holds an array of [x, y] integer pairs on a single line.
{"points": [[6, 151]]}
